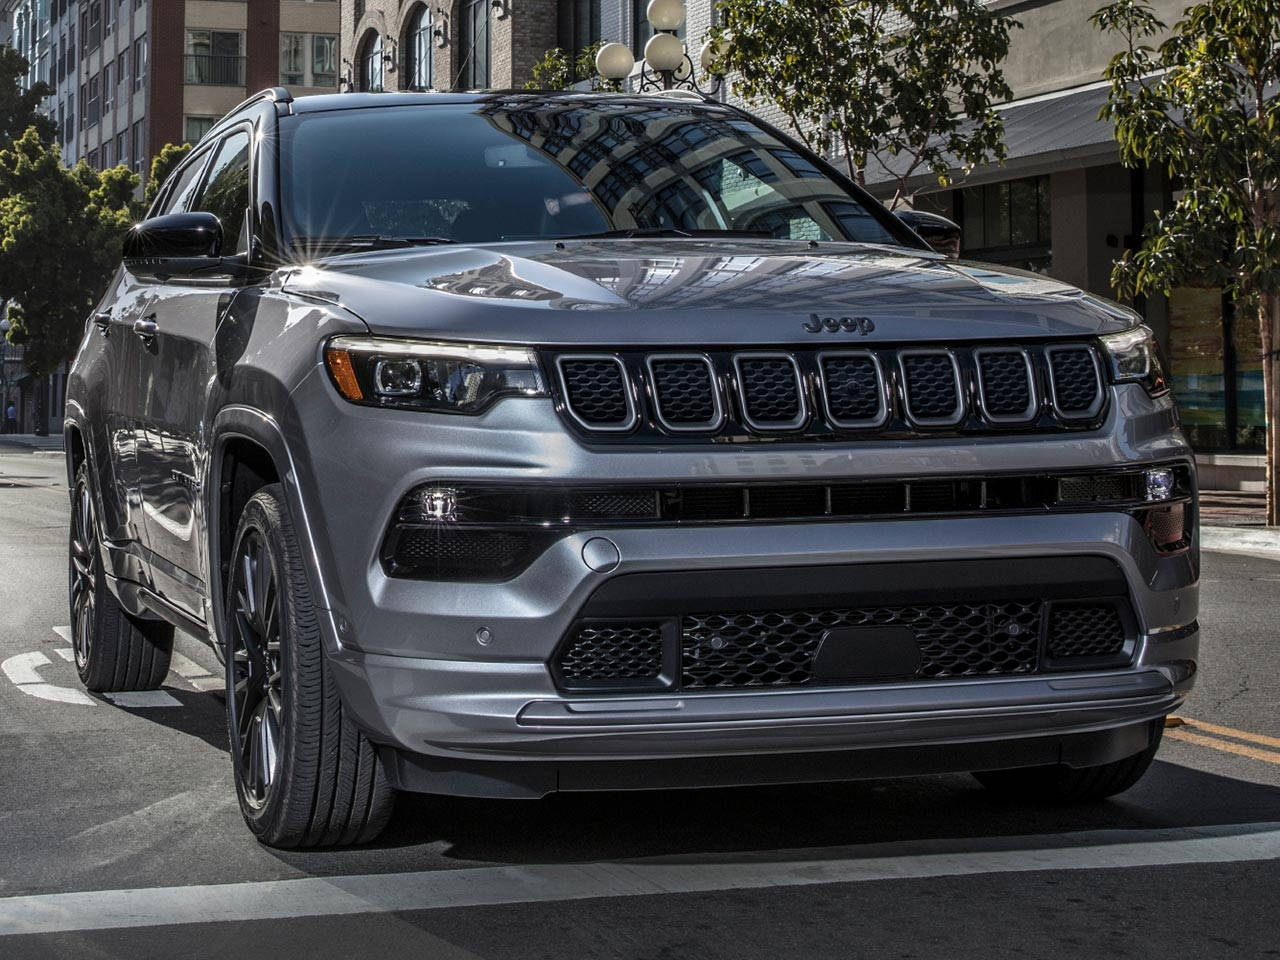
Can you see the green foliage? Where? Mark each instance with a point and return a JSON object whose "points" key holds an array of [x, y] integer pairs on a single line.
{"points": [[18, 108], [1203, 107], [162, 164], [900, 86], [60, 236], [556, 71]]}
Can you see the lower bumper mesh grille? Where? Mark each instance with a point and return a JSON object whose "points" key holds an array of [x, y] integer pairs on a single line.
{"points": [[777, 648]]}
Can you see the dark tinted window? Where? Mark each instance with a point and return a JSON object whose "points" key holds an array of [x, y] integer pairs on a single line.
{"points": [[182, 192], [512, 168], [226, 191]]}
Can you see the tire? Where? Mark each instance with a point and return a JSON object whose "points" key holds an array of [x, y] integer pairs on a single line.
{"points": [[114, 651], [1063, 784], [305, 774]]}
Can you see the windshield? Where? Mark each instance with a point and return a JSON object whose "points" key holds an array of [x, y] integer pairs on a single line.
{"points": [[521, 168]]}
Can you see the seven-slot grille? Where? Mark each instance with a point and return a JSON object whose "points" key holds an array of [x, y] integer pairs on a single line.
{"points": [[881, 391]]}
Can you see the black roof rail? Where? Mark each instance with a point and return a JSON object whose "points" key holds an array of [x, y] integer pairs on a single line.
{"points": [[274, 94]]}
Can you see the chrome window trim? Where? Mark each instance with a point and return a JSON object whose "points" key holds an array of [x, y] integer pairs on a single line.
{"points": [[717, 419], [775, 427], [633, 416], [961, 408], [1033, 406], [882, 385], [1099, 399]]}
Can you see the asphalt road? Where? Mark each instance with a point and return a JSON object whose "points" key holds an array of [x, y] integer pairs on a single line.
{"points": [[136, 796]]}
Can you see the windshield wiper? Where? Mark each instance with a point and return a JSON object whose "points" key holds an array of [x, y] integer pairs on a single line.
{"points": [[641, 232], [370, 242]]}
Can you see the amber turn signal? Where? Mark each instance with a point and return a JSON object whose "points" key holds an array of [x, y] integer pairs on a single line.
{"points": [[344, 377]]}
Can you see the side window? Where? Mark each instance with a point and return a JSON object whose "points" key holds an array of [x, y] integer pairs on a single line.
{"points": [[179, 198], [226, 190]]}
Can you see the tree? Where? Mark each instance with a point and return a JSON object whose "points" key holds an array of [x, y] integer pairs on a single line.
{"points": [[892, 87], [163, 164], [557, 71], [18, 107], [1203, 106], [60, 236]]}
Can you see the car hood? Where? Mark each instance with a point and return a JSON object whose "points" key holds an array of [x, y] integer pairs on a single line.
{"points": [[697, 292]]}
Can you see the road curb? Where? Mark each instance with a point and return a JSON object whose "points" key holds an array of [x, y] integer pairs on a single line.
{"points": [[1256, 541]]}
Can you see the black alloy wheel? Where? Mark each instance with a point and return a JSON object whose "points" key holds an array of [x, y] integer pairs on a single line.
{"points": [[84, 571], [256, 700]]}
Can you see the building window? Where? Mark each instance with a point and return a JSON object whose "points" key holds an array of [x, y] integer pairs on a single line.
{"points": [[106, 88], [292, 59], [215, 58], [417, 50], [371, 62], [108, 8], [122, 68], [139, 63], [93, 159], [474, 43], [106, 154], [93, 104], [1007, 222], [194, 128], [93, 35], [578, 27], [139, 151], [122, 148], [324, 59], [641, 29]]}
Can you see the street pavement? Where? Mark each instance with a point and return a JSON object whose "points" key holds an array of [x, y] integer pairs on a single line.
{"points": [[120, 835]]}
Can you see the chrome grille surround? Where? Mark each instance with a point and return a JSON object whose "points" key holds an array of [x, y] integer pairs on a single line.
{"points": [[1057, 390], [652, 365], [621, 426], [884, 408], [907, 359], [986, 402], [741, 370]]}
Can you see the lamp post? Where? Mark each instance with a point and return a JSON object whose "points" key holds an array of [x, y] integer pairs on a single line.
{"points": [[5, 326], [666, 64]]}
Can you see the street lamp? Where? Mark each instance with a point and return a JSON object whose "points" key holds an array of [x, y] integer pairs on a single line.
{"points": [[667, 64]]}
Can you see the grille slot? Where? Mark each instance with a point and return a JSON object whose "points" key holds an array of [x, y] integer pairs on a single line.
{"points": [[777, 648], [1075, 381], [931, 387], [450, 553], [685, 396], [853, 389], [597, 391], [1085, 630], [601, 653], [771, 391], [1005, 385]]}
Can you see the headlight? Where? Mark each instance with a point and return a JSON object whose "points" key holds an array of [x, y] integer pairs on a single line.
{"points": [[426, 375], [1135, 358]]}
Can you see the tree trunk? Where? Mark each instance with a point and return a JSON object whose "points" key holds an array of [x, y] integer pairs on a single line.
{"points": [[1269, 327]]}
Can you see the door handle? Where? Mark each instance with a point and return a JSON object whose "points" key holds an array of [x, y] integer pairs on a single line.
{"points": [[103, 322], [146, 328]]}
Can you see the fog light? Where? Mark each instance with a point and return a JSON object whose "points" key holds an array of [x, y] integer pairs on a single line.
{"points": [[439, 503], [398, 378], [1166, 528], [1159, 484]]}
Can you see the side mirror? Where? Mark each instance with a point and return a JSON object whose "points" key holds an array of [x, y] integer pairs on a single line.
{"points": [[937, 231], [177, 244]]}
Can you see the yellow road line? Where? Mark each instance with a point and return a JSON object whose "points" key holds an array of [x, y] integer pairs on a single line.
{"points": [[1232, 732], [1226, 746]]}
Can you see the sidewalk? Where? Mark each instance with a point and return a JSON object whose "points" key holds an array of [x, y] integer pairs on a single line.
{"points": [[1234, 522], [30, 443]]}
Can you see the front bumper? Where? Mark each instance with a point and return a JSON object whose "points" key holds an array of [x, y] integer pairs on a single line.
{"points": [[452, 679]]}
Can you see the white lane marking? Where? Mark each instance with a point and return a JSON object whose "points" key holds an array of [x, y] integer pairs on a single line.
{"points": [[185, 667], [21, 669], [207, 684], [66, 653], [488, 886], [135, 699], [64, 633]]}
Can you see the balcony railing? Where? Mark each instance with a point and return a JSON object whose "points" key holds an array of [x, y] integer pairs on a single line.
{"points": [[214, 69]]}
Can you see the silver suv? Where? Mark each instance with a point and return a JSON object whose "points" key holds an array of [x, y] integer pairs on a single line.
{"points": [[506, 443]]}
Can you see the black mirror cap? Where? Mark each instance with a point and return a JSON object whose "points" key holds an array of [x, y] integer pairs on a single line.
{"points": [[941, 234], [175, 236]]}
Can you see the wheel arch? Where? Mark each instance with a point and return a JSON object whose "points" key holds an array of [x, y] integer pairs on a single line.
{"points": [[249, 451]]}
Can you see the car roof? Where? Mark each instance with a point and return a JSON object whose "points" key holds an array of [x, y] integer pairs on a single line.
{"points": [[399, 98]]}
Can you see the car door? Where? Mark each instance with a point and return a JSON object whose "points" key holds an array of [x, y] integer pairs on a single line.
{"points": [[177, 374]]}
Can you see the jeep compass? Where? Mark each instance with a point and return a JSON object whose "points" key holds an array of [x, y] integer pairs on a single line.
{"points": [[505, 443]]}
